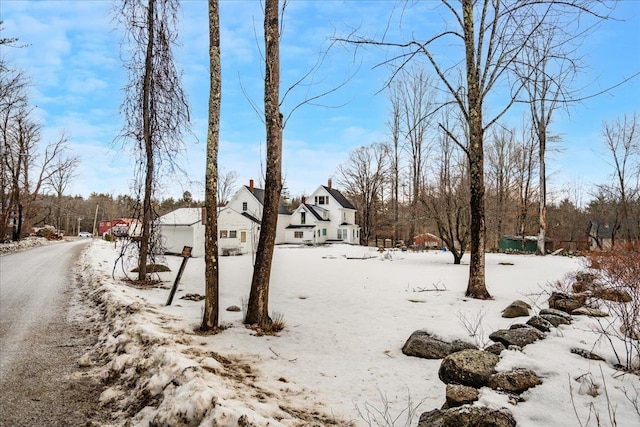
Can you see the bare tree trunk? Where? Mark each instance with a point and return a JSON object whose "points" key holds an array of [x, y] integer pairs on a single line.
{"points": [[476, 287], [148, 146], [211, 304], [542, 140], [258, 306]]}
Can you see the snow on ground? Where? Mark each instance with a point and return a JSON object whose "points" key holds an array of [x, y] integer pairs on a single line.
{"points": [[348, 311]]}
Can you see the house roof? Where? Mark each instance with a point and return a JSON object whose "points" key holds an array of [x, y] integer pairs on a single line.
{"points": [[339, 197], [181, 216], [251, 217], [294, 226], [258, 193]]}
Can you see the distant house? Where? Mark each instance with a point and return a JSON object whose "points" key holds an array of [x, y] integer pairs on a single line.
{"points": [[325, 216], [119, 227], [428, 240], [605, 234]]}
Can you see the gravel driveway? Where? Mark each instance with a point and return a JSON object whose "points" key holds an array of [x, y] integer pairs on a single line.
{"points": [[41, 338]]}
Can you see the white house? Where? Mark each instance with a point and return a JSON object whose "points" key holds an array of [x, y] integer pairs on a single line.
{"points": [[249, 201], [325, 216]]}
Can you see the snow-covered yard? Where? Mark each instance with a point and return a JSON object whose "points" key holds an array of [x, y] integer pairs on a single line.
{"points": [[339, 358]]}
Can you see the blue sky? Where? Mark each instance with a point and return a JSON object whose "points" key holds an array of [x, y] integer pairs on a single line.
{"points": [[73, 59]]}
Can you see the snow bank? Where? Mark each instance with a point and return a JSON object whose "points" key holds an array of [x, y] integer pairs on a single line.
{"points": [[156, 375], [348, 311], [26, 243]]}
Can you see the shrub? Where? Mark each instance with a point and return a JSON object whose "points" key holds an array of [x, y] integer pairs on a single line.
{"points": [[618, 272]]}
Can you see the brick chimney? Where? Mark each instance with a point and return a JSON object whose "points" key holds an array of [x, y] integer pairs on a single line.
{"points": [[329, 183], [304, 200], [251, 185]]}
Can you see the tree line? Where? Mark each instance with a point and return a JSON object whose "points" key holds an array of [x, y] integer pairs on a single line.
{"points": [[395, 203]]}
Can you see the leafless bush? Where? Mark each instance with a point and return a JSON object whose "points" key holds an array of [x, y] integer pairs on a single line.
{"points": [[633, 398], [381, 416], [473, 325], [590, 387], [618, 272]]}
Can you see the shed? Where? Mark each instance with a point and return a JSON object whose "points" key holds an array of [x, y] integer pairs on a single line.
{"points": [[527, 244]]}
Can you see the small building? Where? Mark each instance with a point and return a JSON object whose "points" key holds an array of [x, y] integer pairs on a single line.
{"points": [[528, 244], [180, 228], [605, 234]]}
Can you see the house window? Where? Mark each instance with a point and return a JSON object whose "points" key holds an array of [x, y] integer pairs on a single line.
{"points": [[233, 234], [243, 237], [342, 234], [244, 206], [298, 234], [223, 234], [303, 217], [321, 200], [324, 231]]}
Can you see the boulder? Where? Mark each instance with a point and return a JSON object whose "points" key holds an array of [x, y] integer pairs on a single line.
{"points": [[586, 354], [540, 324], [554, 312], [589, 311], [496, 348], [555, 320], [432, 418], [458, 395], [519, 326], [515, 381], [517, 308], [234, 308], [468, 367], [467, 416], [429, 346], [565, 302], [519, 337]]}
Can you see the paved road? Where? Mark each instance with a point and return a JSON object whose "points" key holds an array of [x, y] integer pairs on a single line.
{"points": [[41, 339]]}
